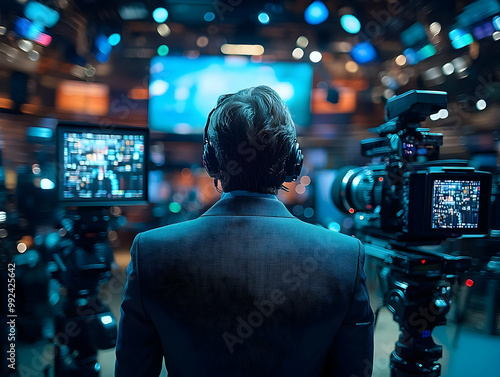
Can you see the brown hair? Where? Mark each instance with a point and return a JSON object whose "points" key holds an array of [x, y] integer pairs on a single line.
{"points": [[252, 133]]}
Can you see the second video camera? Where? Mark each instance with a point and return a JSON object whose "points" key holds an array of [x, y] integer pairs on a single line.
{"points": [[406, 192]]}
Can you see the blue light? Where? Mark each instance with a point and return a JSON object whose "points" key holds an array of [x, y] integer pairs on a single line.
{"points": [[484, 30], [350, 23], [335, 226], [413, 35], [28, 29], [459, 38], [188, 82], [114, 39], [40, 13], [47, 184], [39, 132], [316, 13], [263, 18], [209, 16], [456, 33], [411, 56], [363, 53], [160, 15], [496, 22], [102, 44], [106, 319], [101, 57]]}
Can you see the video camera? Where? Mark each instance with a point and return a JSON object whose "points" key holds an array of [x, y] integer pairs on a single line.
{"points": [[405, 199], [407, 193], [98, 167]]}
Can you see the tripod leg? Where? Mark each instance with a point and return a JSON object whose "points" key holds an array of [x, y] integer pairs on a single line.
{"points": [[377, 312], [492, 305], [461, 310]]}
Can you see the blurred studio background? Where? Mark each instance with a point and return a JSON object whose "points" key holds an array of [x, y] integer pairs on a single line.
{"points": [[159, 66]]}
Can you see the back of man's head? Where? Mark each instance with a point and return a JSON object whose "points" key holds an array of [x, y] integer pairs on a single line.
{"points": [[252, 133]]}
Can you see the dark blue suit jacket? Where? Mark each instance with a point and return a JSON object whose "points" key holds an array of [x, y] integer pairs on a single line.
{"points": [[246, 289]]}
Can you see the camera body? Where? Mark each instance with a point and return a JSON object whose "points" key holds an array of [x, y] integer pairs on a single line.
{"points": [[98, 167], [407, 193], [405, 199]]}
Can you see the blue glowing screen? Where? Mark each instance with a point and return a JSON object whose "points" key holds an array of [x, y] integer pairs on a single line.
{"points": [[182, 91]]}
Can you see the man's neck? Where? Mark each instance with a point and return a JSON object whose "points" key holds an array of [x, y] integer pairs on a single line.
{"points": [[237, 193]]}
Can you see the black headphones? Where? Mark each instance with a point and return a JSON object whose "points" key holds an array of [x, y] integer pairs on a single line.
{"points": [[293, 164], [210, 161]]}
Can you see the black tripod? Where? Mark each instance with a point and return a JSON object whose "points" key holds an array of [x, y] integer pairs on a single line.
{"points": [[416, 286], [83, 323], [418, 307]]}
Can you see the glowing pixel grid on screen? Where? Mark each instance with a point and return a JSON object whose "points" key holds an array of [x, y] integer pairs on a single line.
{"points": [[103, 166], [455, 204]]}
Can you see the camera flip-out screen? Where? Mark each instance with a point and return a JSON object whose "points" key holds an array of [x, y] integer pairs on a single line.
{"points": [[102, 167], [455, 204], [445, 201]]}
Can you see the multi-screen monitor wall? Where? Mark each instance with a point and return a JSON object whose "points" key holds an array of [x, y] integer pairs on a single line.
{"points": [[182, 91]]}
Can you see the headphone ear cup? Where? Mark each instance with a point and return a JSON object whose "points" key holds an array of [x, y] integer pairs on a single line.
{"points": [[210, 161], [294, 163]]}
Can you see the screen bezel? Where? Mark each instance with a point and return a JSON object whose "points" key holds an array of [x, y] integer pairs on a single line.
{"points": [[104, 129], [484, 198]]}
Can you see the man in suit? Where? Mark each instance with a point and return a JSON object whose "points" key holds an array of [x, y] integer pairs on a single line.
{"points": [[246, 289]]}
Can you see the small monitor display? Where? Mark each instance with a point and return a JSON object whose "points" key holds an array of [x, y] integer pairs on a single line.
{"points": [[102, 167], [455, 204]]}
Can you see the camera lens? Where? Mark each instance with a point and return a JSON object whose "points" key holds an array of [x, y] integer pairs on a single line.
{"points": [[357, 189]]}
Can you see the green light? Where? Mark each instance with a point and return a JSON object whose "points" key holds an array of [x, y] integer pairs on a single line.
{"points": [[160, 15], [114, 39], [162, 50], [350, 23], [426, 52], [174, 207]]}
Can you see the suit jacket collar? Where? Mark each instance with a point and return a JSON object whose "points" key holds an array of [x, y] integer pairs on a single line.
{"points": [[248, 206]]}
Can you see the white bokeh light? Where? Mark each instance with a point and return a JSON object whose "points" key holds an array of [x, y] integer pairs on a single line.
{"points": [[315, 56]]}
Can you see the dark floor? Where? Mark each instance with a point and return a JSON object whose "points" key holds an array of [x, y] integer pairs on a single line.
{"points": [[476, 353]]}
